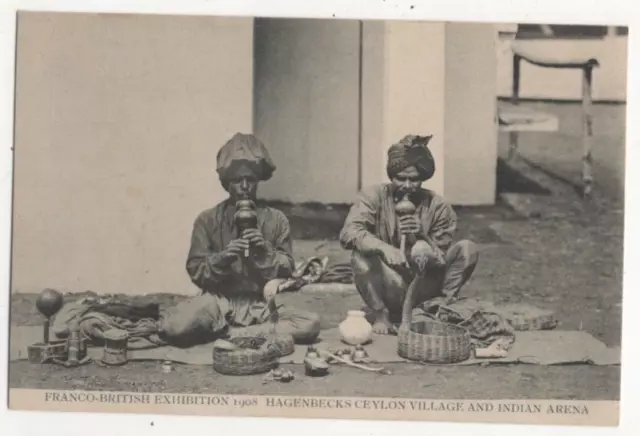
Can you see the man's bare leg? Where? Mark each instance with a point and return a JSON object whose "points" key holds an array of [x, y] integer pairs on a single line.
{"points": [[462, 259], [382, 290], [381, 322]]}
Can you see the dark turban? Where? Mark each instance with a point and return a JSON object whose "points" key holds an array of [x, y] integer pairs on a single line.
{"points": [[412, 150], [246, 150]]}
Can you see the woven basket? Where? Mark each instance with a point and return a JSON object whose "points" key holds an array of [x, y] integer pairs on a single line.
{"points": [[430, 341], [538, 320], [259, 354]]}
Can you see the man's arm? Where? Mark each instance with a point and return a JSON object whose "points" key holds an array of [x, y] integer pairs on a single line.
{"points": [[205, 267], [275, 260], [440, 234], [356, 234]]}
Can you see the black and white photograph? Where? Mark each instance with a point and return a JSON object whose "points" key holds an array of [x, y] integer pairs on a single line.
{"points": [[322, 218]]}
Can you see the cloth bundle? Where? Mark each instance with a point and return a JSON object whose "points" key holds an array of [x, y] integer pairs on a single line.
{"points": [[487, 323], [316, 270], [94, 316]]}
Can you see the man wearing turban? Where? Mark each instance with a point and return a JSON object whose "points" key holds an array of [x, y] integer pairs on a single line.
{"points": [[373, 230], [233, 286]]}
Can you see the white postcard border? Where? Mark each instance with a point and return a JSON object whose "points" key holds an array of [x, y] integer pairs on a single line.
{"points": [[586, 11]]}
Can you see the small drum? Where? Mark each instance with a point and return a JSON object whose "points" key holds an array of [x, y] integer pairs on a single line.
{"points": [[115, 347]]}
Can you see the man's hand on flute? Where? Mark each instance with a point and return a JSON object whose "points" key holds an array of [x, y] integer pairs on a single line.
{"points": [[393, 256], [235, 248], [254, 237], [409, 224]]}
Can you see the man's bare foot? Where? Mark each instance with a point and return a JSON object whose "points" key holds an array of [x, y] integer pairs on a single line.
{"points": [[382, 325]]}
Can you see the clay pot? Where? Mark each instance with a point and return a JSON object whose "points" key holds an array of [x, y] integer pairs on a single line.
{"points": [[355, 329]]}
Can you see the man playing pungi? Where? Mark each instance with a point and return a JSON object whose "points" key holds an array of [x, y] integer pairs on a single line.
{"points": [[373, 230], [232, 285]]}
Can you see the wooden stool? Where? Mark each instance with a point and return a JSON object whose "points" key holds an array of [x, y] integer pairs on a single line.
{"points": [[513, 119]]}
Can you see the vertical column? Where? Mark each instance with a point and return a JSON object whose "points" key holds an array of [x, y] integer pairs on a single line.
{"points": [[439, 79], [373, 84], [470, 113], [403, 92], [306, 107]]}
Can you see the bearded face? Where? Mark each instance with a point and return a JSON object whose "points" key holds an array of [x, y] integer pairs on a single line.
{"points": [[407, 181]]}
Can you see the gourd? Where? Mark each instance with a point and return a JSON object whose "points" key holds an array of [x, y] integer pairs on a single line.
{"points": [[49, 302], [245, 217], [403, 208]]}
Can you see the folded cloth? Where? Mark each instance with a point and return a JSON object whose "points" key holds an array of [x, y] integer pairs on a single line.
{"points": [[521, 316], [306, 272], [89, 314], [485, 328], [339, 273], [130, 310]]}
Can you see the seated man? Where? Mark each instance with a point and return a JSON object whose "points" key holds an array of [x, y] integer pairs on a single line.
{"points": [[233, 285], [373, 230]]}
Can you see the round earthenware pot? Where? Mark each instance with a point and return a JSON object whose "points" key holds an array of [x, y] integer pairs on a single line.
{"points": [[355, 329]]}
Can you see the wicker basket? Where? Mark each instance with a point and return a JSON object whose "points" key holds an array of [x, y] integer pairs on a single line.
{"points": [[430, 341], [536, 320], [259, 354], [540, 322]]}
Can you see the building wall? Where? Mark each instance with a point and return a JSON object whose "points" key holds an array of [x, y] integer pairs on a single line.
{"points": [[306, 107], [374, 156], [307, 73], [414, 89], [449, 91], [470, 152], [119, 119]]}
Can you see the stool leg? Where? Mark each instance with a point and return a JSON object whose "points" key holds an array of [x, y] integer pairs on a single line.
{"points": [[515, 96], [587, 132], [513, 145]]}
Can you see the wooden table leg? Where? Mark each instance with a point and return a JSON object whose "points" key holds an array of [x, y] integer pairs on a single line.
{"points": [[515, 96], [587, 132]]}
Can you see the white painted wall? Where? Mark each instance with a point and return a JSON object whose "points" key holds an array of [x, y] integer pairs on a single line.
{"points": [[119, 119], [414, 88], [433, 78], [374, 147], [306, 107], [471, 141]]}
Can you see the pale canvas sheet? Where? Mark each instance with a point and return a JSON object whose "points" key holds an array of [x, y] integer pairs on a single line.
{"points": [[536, 347]]}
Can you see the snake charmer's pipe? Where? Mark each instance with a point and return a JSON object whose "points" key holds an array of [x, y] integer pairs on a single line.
{"points": [[404, 207], [245, 218], [49, 302]]}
